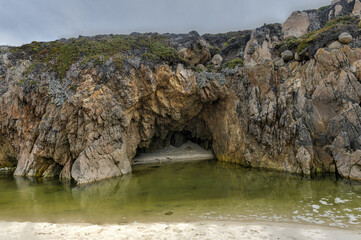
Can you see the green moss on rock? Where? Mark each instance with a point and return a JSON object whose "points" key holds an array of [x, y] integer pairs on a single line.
{"points": [[309, 38], [197, 69], [58, 56], [321, 9], [233, 63]]}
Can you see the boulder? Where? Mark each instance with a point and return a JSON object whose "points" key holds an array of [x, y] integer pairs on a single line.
{"points": [[287, 55], [217, 59], [345, 38], [335, 45]]}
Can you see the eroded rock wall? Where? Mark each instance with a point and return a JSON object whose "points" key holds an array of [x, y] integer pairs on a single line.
{"points": [[87, 123], [291, 118]]}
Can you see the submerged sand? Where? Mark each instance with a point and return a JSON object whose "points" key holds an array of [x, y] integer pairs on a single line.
{"points": [[187, 152], [198, 230]]}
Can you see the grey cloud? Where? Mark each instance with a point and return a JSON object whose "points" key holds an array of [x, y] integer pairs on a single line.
{"points": [[23, 21]]}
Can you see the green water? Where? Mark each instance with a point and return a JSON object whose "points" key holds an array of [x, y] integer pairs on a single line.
{"points": [[191, 192]]}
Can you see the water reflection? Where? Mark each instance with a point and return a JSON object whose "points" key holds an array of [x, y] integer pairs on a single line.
{"points": [[191, 191]]}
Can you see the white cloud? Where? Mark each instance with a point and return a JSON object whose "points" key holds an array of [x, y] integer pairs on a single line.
{"points": [[23, 21]]}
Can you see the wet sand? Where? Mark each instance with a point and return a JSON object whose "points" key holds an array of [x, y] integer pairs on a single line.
{"points": [[198, 230], [187, 152]]}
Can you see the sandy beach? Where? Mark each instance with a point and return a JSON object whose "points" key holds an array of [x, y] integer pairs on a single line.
{"points": [[198, 230]]}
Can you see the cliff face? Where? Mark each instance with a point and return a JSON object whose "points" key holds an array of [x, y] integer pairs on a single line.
{"points": [[82, 108]]}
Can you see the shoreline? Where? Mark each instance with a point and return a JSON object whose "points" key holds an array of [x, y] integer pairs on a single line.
{"points": [[192, 230]]}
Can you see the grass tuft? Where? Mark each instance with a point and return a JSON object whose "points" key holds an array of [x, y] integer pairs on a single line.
{"points": [[233, 63]]}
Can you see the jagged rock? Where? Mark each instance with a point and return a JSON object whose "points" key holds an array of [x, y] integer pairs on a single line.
{"points": [[348, 162], [259, 47], [345, 38], [198, 54], [287, 55], [335, 45], [217, 59], [304, 159], [356, 69], [357, 8], [338, 9]]}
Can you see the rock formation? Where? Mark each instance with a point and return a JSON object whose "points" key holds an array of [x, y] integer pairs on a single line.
{"points": [[302, 22], [82, 108]]}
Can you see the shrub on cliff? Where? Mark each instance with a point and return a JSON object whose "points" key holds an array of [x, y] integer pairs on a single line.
{"points": [[233, 63], [58, 56]]}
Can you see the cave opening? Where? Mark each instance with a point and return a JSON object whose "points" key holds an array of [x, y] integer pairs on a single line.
{"points": [[191, 143]]}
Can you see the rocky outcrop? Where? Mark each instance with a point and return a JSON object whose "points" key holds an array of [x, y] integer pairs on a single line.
{"points": [[345, 28], [348, 161], [84, 115], [262, 41], [301, 22], [296, 25], [197, 54]]}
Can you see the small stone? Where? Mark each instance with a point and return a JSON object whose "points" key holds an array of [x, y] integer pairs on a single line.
{"points": [[297, 57], [287, 55], [335, 45], [345, 38], [217, 59], [169, 213], [279, 63]]}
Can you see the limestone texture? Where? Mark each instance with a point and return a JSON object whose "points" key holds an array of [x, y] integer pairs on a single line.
{"points": [[82, 109]]}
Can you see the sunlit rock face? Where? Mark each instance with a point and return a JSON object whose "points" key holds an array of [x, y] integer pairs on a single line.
{"points": [[83, 108]]}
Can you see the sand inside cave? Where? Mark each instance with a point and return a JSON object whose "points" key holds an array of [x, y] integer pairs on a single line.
{"points": [[187, 152]]}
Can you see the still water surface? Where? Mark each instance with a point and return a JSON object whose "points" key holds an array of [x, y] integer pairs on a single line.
{"points": [[194, 191]]}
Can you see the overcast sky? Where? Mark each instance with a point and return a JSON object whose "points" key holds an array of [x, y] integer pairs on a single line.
{"points": [[23, 21]]}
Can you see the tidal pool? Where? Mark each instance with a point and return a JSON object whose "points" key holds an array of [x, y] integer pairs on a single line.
{"points": [[186, 192]]}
